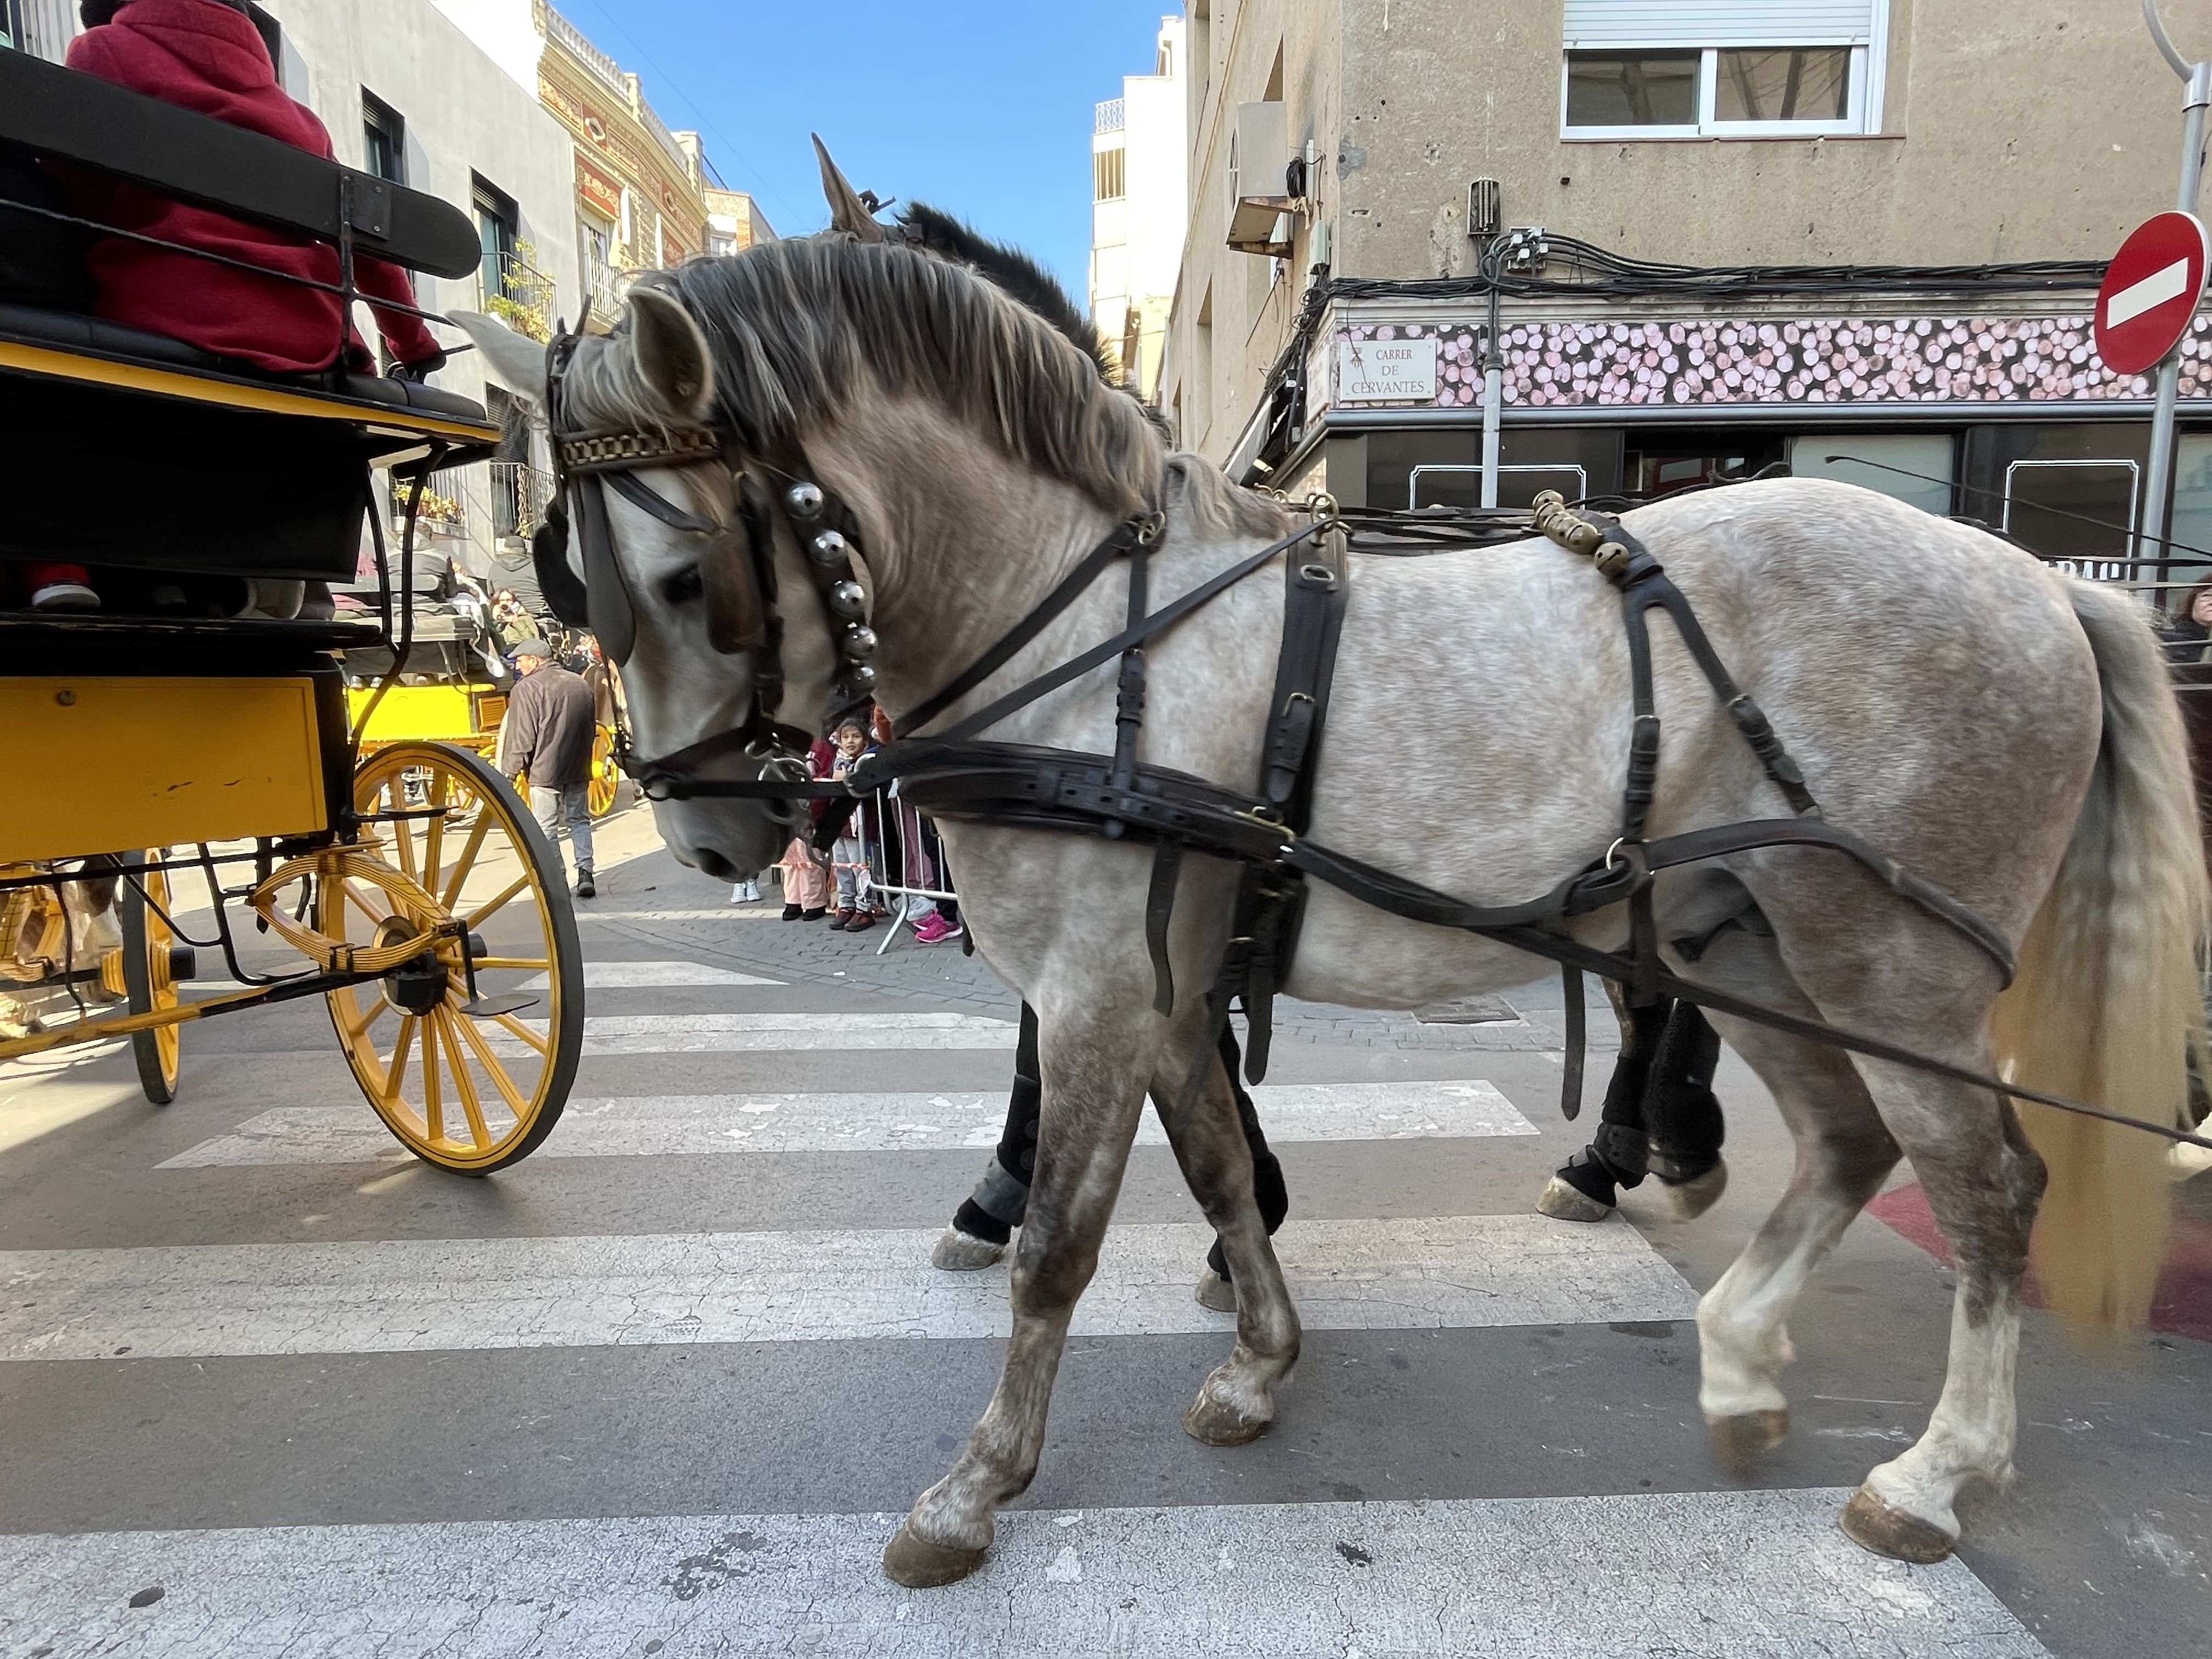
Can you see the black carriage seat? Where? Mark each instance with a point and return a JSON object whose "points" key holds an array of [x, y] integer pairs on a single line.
{"points": [[76, 331], [130, 449]]}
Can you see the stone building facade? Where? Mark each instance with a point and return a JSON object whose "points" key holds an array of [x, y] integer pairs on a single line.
{"points": [[1367, 153]]}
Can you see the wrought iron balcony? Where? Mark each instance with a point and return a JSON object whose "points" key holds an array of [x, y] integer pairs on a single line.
{"points": [[517, 293], [521, 493]]}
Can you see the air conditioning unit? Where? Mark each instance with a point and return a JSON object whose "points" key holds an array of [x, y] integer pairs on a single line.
{"points": [[1260, 198]]}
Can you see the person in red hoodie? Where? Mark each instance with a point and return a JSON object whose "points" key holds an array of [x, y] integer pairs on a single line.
{"points": [[206, 55]]}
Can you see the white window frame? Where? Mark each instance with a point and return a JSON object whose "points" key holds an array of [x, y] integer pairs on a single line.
{"points": [[1862, 111]]}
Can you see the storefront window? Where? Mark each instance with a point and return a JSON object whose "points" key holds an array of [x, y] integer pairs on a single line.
{"points": [[1915, 467], [2191, 529], [2077, 511]]}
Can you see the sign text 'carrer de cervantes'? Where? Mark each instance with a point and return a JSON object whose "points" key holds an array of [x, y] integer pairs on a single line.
{"points": [[1386, 371]]}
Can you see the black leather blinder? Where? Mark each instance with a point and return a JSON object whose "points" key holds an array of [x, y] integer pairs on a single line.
{"points": [[608, 597], [557, 579]]}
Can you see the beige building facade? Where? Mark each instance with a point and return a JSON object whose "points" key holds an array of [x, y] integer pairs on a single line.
{"points": [[1352, 160], [639, 186]]}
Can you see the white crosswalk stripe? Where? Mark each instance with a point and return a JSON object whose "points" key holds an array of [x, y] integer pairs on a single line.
{"points": [[398, 1296], [676, 1034], [665, 1125], [1737, 1574], [652, 975]]}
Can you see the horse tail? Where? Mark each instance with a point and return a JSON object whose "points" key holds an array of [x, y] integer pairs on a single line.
{"points": [[2108, 1005]]}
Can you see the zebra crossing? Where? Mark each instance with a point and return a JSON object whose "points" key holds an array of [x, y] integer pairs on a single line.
{"points": [[523, 1368]]}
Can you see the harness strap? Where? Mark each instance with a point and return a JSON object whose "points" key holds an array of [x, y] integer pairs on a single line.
{"points": [[1135, 533], [1152, 626]]}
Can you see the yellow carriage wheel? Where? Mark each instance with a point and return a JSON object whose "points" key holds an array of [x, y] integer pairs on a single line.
{"points": [[153, 962], [470, 1085], [606, 777]]}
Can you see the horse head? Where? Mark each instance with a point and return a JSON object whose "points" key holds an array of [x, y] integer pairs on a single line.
{"points": [[771, 459]]}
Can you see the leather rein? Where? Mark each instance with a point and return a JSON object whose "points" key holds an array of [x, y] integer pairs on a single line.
{"points": [[952, 773]]}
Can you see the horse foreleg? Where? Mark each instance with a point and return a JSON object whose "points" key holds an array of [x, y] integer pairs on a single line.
{"points": [[1092, 1065], [1237, 1401]]}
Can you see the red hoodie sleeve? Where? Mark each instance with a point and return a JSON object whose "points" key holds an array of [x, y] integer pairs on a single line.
{"points": [[409, 341]]}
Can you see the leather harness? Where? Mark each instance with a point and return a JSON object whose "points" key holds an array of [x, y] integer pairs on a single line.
{"points": [[956, 774]]}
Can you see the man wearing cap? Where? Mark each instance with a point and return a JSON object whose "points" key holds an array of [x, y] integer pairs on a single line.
{"points": [[547, 733]]}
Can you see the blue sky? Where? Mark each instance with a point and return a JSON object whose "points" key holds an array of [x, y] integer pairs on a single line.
{"points": [[980, 108]]}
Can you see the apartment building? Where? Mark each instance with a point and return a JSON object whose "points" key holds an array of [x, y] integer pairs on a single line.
{"points": [[639, 186], [1354, 162], [1140, 156]]}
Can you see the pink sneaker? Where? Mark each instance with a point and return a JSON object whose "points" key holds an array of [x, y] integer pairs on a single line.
{"points": [[934, 929]]}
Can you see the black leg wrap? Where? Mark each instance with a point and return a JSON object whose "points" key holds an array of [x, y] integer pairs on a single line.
{"points": [[1587, 1173], [973, 1220], [1269, 1189], [1682, 1115]]}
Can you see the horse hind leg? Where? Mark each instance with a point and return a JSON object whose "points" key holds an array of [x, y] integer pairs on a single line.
{"points": [[1844, 1154], [1237, 1401], [1089, 1066], [1983, 1182]]}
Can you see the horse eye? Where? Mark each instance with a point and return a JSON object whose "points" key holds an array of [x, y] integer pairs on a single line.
{"points": [[684, 585]]}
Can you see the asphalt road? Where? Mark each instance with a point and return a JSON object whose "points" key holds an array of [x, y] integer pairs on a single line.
{"points": [[269, 1387]]}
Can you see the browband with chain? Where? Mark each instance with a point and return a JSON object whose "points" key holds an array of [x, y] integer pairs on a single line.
{"points": [[606, 452]]}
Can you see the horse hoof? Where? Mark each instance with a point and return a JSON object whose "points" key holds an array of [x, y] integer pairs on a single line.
{"points": [[1213, 1421], [1563, 1203], [1215, 1293], [919, 1565], [1874, 1523], [1740, 1441], [1691, 1199], [963, 1252]]}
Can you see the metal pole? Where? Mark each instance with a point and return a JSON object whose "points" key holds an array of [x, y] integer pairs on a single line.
{"points": [[2157, 483], [1493, 392]]}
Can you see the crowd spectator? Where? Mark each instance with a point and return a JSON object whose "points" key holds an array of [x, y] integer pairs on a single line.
{"points": [[546, 734]]}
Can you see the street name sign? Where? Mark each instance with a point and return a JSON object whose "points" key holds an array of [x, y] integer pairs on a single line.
{"points": [[1386, 371], [2150, 292]]}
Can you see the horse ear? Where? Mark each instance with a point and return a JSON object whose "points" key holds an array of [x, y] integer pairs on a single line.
{"points": [[847, 212], [515, 361], [672, 353]]}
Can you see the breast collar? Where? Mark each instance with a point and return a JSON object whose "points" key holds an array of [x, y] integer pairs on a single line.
{"points": [[737, 569]]}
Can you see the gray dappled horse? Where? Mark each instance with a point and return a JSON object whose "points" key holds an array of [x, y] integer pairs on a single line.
{"points": [[2000, 730]]}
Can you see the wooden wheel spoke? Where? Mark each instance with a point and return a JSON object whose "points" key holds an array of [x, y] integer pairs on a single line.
{"points": [[497, 1072], [403, 833], [467, 861], [395, 1069], [433, 1104], [515, 1028], [363, 901], [464, 1085], [434, 833], [499, 900], [355, 1029]]}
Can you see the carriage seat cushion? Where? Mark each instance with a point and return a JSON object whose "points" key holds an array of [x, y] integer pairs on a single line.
{"points": [[75, 330]]}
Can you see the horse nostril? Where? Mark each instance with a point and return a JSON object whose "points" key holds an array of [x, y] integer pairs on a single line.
{"points": [[716, 865]]}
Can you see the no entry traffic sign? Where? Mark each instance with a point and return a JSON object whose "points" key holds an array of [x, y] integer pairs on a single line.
{"points": [[2150, 292]]}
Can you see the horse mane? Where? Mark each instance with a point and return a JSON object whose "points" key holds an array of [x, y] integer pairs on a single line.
{"points": [[799, 329], [1022, 276]]}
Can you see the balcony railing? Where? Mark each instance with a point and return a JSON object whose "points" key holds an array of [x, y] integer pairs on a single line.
{"points": [[606, 284], [519, 495], [659, 128], [569, 36], [518, 293], [1108, 117]]}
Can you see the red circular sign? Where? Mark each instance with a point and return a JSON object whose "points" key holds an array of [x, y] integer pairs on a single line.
{"points": [[2150, 292]]}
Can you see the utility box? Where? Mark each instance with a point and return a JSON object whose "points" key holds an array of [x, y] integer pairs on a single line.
{"points": [[1260, 201]]}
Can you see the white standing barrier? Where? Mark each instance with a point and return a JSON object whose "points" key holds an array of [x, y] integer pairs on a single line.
{"points": [[904, 865]]}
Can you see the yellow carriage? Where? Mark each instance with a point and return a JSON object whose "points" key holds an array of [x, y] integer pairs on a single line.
{"points": [[163, 753]]}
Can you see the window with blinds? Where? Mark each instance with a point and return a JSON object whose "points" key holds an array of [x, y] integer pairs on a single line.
{"points": [[1107, 177], [1720, 69]]}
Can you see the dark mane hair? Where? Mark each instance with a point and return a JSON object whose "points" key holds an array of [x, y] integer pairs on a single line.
{"points": [[1021, 276]]}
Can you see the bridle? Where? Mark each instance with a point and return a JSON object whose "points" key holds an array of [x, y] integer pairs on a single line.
{"points": [[737, 569], [738, 578]]}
